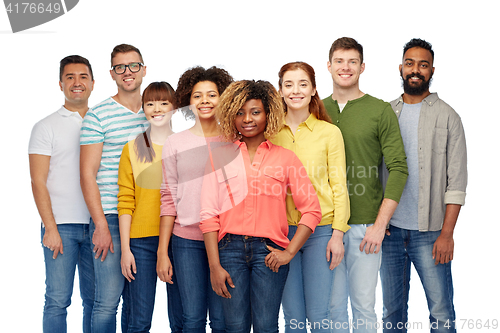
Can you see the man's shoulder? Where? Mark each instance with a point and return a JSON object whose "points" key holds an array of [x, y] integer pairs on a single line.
{"points": [[107, 105]]}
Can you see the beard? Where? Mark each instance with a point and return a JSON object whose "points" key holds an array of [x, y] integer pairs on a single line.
{"points": [[415, 89]]}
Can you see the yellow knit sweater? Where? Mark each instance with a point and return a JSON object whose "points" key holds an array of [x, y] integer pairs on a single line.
{"points": [[139, 191]]}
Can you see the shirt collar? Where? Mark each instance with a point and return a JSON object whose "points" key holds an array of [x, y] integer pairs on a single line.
{"points": [[67, 113], [430, 100], [266, 144], [310, 122]]}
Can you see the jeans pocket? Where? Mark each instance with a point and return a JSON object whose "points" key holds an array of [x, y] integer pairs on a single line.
{"points": [[223, 243], [267, 242]]}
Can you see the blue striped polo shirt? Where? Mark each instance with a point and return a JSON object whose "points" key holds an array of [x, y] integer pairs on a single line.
{"points": [[113, 125]]}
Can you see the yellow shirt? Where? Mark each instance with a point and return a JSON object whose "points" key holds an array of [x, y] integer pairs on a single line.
{"points": [[320, 147], [139, 191]]}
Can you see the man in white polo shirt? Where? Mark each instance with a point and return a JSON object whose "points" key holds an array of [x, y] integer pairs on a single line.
{"points": [[54, 155], [105, 130]]}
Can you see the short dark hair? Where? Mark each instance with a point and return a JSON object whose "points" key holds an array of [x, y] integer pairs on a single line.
{"points": [[417, 42], [125, 48], [74, 59], [346, 43]]}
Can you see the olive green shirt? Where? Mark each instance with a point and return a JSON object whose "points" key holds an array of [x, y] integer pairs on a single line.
{"points": [[371, 134]]}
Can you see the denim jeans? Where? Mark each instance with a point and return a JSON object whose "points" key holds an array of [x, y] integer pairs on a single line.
{"points": [[355, 278], [309, 284], [109, 283], [141, 291], [401, 249], [174, 302], [60, 274], [193, 278], [256, 298]]}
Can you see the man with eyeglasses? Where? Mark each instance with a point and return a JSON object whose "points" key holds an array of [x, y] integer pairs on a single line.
{"points": [[105, 130]]}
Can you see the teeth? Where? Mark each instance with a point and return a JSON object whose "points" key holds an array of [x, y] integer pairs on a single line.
{"points": [[126, 80]]}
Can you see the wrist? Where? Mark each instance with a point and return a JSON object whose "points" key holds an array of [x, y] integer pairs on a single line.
{"points": [[337, 234]]}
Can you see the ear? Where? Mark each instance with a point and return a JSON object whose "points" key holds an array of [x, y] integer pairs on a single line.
{"points": [[281, 93], [143, 71], [329, 66], [362, 68], [313, 92], [112, 74], [60, 85], [401, 68]]}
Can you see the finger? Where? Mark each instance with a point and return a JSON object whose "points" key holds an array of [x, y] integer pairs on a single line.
{"points": [[104, 254], [134, 267], [377, 248], [328, 253], [362, 245], [230, 281], [387, 232], [111, 248], [97, 252], [61, 249], [56, 252]]}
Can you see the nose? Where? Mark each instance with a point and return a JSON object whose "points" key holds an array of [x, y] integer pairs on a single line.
{"points": [[247, 118], [295, 89]]}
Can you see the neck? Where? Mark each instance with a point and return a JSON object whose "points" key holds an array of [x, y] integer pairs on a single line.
{"points": [[344, 95], [206, 128], [130, 100], [296, 117], [160, 134], [80, 108], [253, 143], [415, 99]]}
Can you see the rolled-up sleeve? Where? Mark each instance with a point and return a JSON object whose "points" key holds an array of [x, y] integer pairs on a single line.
{"points": [[304, 194]]}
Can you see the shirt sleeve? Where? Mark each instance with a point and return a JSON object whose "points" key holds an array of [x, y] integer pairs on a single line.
{"points": [[210, 208], [303, 193], [168, 187], [126, 184], [337, 180], [91, 131], [457, 163], [40, 140], [394, 154]]}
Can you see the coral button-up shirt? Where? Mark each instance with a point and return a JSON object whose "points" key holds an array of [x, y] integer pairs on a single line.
{"points": [[248, 198]]}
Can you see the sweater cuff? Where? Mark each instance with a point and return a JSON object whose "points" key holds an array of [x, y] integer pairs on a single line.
{"points": [[340, 226]]}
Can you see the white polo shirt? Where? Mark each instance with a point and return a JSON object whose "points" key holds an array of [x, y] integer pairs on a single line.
{"points": [[58, 136]]}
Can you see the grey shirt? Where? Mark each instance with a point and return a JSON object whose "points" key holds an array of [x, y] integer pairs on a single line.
{"points": [[406, 214], [442, 160]]}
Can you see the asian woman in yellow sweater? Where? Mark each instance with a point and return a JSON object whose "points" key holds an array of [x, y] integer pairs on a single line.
{"points": [[139, 179]]}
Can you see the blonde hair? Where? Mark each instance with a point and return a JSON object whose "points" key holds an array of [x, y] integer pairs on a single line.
{"points": [[237, 94]]}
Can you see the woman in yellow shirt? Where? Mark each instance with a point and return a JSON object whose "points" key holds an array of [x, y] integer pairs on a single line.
{"points": [[139, 179], [320, 147]]}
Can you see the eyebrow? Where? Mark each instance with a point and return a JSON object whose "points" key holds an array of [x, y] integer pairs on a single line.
{"points": [[199, 92], [410, 59]]}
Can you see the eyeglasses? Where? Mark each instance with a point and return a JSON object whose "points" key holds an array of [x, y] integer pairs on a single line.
{"points": [[134, 68]]}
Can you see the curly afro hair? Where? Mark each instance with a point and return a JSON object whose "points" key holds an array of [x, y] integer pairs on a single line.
{"points": [[237, 94], [191, 77]]}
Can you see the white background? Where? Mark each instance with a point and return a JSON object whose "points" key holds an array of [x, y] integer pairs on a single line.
{"points": [[252, 41]]}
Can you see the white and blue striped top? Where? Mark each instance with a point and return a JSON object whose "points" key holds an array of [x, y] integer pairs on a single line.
{"points": [[113, 125]]}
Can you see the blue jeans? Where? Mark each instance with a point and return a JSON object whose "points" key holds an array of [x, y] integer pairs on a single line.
{"points": [[193, 278], [60, 274], [141, 291], [256, 298], [109, 283], [174, 302], [309, 284], [355, 279], [401, 249]]}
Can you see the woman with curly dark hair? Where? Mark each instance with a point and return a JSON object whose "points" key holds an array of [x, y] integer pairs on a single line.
{"points": [[243, 215], [184, 157]]}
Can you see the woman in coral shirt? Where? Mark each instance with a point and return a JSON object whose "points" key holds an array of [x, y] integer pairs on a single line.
{"points": [[243, 215]]}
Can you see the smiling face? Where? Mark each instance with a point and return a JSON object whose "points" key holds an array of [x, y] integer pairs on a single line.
{"points": [[76, 84], [251, 121], [204, 99], [297, 90], [128, 81], [158, 113], [345, 68], [416, 71]]}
